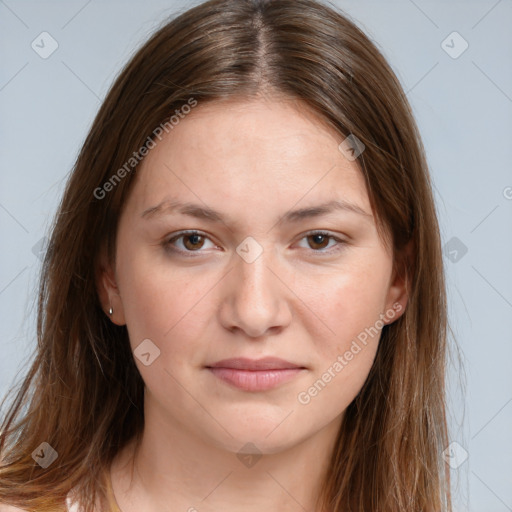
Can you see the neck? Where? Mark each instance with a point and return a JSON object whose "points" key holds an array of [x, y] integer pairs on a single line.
{"points": [[183, 469]]}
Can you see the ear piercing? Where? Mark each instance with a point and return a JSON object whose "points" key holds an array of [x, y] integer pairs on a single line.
{"points": [[110, 311]]}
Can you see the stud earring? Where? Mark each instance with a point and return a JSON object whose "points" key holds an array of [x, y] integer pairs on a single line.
{"points": [[110, 311]]}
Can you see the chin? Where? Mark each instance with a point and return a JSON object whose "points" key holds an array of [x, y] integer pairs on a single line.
{"points": [[262, 440]]}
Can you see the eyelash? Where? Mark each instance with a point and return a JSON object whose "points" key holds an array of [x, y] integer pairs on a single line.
{"points": [[190, 254]]}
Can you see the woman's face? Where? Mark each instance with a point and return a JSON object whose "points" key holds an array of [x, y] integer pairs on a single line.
{"points": [[286, 263]]}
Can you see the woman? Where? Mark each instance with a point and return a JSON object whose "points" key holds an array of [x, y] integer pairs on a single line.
{"points": [[242, 306]]}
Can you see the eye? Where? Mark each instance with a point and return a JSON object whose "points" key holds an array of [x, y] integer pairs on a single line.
{"points": [[191, 241], [319, 240]]}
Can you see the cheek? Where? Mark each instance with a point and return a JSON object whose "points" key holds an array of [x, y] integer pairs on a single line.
{"points": [[348, 303], [351, 307], [165, 306], [162, 303]]}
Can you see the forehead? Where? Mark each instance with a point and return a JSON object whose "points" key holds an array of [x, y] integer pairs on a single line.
{"points": [[258, 153]]}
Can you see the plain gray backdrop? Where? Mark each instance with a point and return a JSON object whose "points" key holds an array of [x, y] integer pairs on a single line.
{"points": [[454, 60]]}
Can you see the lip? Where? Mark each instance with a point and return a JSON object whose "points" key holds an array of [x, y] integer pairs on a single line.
{"points": [[265, 363], [255, 374]]}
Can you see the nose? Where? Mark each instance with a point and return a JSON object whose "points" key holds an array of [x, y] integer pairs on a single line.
{"points": [[256, 300]]}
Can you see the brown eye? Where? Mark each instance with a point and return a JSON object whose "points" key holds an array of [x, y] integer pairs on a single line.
{"points": [[192, 242], [322, 243], [318, 241], [186, 243]]}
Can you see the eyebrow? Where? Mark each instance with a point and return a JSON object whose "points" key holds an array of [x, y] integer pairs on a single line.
{"points": [[205, 213]]}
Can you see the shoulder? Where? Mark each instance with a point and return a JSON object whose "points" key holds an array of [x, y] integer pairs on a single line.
{"points": [[9, 508]]}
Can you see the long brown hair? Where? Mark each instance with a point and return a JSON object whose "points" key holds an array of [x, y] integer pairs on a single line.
{"points": [[83, 394]]}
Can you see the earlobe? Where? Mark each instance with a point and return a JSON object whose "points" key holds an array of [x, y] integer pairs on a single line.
{"points": [[108, 292], [398, 297], [398, 294]]}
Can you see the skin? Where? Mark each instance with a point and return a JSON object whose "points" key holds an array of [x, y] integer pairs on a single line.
{"points": [[301, 300]]}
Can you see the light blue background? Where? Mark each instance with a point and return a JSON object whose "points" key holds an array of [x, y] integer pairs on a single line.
{"points": [[463, 107]]}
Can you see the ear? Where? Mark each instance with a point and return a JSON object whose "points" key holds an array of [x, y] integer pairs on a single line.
{"points": [[108, 291], [398, 293]]}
